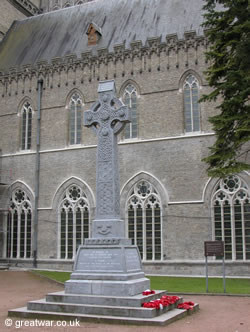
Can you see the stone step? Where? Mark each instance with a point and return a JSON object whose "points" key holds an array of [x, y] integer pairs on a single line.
{"points": [[162, 319], [4, 266], [130, 301], [93, 309]]}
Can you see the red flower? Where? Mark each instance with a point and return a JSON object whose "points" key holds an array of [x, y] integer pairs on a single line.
{"points": [[170, 299], [186, 305], [148, 292], [153, 304], [164, 301]]}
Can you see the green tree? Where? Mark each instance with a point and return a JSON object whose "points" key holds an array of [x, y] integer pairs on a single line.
{"points": [[227, 25]]}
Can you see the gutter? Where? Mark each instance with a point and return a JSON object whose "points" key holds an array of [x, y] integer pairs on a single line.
{"points": [[37, 173]]}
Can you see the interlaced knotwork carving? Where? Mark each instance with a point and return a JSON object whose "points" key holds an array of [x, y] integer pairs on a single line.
{"points": [[107, 117]]}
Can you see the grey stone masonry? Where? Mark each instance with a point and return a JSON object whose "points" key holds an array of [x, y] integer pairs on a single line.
{"points": [[107, 117]]}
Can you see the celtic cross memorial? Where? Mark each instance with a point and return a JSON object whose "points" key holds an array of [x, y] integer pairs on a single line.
{"points": [[107, 117], [107, 263]]}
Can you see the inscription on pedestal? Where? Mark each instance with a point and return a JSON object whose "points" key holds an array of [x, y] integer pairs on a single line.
{"points": [[99, 259], [132, 260]]}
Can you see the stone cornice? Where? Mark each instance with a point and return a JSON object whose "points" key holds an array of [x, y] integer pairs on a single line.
{"points": [[26, 7], [153, 46]]}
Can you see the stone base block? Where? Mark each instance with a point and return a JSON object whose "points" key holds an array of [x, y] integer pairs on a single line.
{"points": [[111, 268], [106, 287]]}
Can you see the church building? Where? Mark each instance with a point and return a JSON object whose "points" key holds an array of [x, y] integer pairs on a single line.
{"points": [[53, 54]]}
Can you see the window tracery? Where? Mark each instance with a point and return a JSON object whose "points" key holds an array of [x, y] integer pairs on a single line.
{"points": [[130, 100], [74, 221], [191, 104], [75, 107], [26, 131], [144, 220], [231, 209], [19, 224]]}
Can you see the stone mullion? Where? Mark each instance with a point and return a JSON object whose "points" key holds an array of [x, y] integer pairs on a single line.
{"points": [[82, 224], [18, 233], [31, 229], [222, 221], [243, 230], [11, 231], [213, 219], [25, 234], [5, 230], [59, 245], [191, 108], [135, 225], [66, 234], [74, 232], [161, 228], [232, 220], [130, 108], [153, 233], [144, 233], [75, 128]]}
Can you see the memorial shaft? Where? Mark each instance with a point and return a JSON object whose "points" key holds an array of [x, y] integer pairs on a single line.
{"points": [[107, 117]]}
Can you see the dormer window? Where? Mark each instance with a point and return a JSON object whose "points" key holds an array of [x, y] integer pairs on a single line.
{"points": [[94, 34]]}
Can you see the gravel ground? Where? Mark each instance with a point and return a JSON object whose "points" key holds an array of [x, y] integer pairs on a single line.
{"points": [[216, 314]]}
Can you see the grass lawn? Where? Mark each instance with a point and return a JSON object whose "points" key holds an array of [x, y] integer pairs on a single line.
{"points": [[198, 285], [177, 284]]}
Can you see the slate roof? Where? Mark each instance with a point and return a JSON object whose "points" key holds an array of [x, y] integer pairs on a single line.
{"points": [[63, 32]]}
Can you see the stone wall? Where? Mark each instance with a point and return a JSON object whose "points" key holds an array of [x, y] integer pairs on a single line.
{"points": [[162, 150], [8, 14]]}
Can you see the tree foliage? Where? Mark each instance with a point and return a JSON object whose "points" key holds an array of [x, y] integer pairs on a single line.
{"points": [[227, 24]]}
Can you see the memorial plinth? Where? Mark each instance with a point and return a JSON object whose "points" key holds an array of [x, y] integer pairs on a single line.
{"points": [[107, 264]]}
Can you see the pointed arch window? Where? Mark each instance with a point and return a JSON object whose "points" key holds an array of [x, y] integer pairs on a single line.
{"points": [[19, 225], [130, 99], [75, 122], [26, 126], [231, 217], [74, 221], [191, 104], [145, 221]]}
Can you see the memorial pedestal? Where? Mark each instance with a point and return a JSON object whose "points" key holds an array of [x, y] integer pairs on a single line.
{"points": [[107, 267]]}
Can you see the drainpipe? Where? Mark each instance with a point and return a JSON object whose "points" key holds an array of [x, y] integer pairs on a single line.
{"points": [[37, 174]]}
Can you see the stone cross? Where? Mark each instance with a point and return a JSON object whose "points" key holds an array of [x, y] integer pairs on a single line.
{"points": [[107, 117]]}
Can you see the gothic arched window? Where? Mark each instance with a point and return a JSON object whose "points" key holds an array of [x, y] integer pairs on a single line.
{"points": [[74, 221], [75, 122], [144, 220], [231, 213], [191, 104], [130, 99], [26, 129], [19, 226]]}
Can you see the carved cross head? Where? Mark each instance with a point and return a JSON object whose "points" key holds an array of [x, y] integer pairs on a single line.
{"points": [[108, 114]]}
